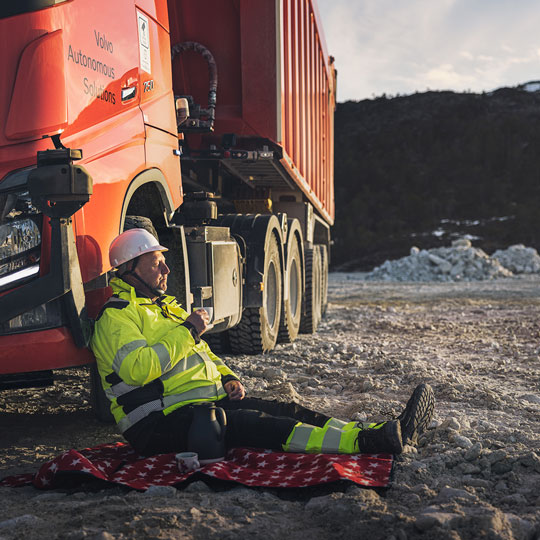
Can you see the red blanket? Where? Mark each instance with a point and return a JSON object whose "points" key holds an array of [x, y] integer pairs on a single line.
{"points": [[119, 464]]}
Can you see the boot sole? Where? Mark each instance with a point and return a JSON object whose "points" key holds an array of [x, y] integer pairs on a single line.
{"points": [[418, 413]]}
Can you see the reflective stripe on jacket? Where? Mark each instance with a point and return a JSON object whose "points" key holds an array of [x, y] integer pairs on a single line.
{"points": [[148, 361]]}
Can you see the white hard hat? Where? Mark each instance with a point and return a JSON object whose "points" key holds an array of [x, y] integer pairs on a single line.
{"points": [[132, 243]]}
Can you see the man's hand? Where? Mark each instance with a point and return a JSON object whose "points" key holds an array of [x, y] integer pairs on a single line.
{"points": [[235, 390], [199, 319]]}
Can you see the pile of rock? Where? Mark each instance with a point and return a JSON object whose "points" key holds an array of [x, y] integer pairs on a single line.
{"points": [[519, 259], [460, 262]]}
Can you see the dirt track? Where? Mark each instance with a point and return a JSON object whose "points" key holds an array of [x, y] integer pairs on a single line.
{"points": [[475, 475]]}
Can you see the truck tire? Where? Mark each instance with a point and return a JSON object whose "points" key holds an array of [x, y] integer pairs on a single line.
{"points": [[218, 343], [324, 278], [291, 312], [140, 222], [258, 329], [312, 308], [101, 404]]}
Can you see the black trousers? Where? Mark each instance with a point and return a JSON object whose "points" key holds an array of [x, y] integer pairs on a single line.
{"points": [[250, 422]]}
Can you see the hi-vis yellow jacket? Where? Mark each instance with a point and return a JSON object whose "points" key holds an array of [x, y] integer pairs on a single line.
{"points": [[148, 361]]}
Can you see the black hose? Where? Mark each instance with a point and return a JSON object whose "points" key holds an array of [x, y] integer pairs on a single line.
{"points": [[212, 71]]}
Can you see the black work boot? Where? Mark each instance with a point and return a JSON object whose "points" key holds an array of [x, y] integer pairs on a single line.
{"points": [[417, 414], [382, 438]]}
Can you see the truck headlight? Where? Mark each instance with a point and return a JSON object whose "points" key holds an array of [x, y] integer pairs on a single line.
{"points": [[20, 247], [20, 232], [20, 252]]}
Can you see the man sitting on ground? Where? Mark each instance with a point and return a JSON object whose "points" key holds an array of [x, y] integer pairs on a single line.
{"points": [[155, 369]]}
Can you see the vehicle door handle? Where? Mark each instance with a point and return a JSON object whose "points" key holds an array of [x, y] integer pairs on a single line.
{"points": [[129, 93]]}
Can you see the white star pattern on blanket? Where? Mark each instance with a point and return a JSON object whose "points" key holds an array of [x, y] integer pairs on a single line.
{"points": [[118, 463]]}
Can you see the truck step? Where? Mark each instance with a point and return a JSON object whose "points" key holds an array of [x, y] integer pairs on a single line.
{"points": [[33, 379]]}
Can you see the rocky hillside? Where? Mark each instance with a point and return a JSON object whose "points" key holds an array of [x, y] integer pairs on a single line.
{"points": [[423, 169]]}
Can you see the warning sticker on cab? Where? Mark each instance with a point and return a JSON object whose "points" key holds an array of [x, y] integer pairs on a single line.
{"points": [[144, 42]]}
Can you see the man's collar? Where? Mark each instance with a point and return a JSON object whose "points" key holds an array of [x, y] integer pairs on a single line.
{"points": [[120, 285]]}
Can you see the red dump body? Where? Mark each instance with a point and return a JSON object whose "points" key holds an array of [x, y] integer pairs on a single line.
{"points": [[276, 81]]}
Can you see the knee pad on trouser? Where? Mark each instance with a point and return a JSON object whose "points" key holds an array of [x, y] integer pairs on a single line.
{"points": [[309, 439], [345, 440]]}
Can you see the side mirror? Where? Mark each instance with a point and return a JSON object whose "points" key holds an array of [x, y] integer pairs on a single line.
{"points": [[57, 186]]}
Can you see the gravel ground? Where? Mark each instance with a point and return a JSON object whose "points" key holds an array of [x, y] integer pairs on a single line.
{"points": [[475, 474]]}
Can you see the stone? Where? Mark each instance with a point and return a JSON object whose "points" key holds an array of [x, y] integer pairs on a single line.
{"points": [[24, 520], [461, 441], [433, 517], [479, 482], [501, 467], [161, 491], [450, 424], [449, 494], [412, 499], [531, 398], [422, 490], [531, 460], [473, 452], [364, 495], [319, 504], [521, 528], [461, 243], [514, 499], [469, 468], [418, 466], [367, 385], [273, 373], [497, 455], [195, 513], [197, 487]]}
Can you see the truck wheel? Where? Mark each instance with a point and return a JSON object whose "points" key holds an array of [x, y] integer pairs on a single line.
{"points": [[291, 312], [140, 222], [324, 278], [218, 343], [101, 404], [312, 312], [258, 329]]}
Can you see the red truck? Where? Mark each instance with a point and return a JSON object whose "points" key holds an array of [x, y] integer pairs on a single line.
{"points": [[209, 123]]}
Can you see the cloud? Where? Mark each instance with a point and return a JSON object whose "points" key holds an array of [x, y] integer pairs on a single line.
{"points": [[445, 76], [402, 46]]}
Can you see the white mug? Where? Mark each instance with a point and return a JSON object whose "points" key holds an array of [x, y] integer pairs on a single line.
{"points": [[187, 462]]}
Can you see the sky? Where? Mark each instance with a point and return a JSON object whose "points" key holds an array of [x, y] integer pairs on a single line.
{"points": [[402, 46]]}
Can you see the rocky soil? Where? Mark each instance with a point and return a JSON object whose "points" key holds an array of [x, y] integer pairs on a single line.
{"points": [[475, 474]]}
